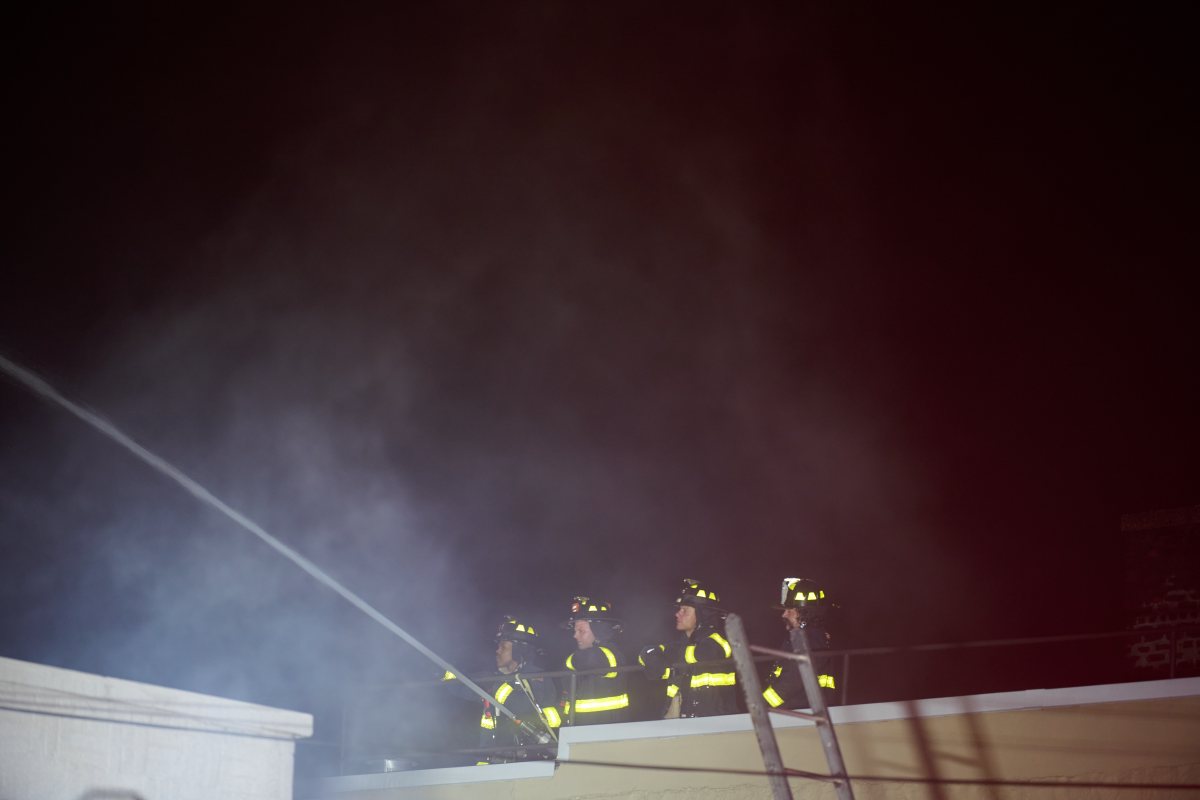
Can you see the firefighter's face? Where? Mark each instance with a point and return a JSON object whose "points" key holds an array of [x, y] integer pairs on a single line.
{"points": [[583, 634], [791, 618], [504, 656], [685, 619]]}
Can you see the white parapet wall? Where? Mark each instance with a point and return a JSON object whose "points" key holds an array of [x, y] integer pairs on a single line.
{"points": [[67, 735]]}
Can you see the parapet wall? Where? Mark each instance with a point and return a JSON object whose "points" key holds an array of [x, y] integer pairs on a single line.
{"points": [[1127, 734], [67, 735]]}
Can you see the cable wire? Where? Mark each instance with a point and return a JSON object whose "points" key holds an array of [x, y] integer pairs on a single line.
{"points": [[796, 773]]}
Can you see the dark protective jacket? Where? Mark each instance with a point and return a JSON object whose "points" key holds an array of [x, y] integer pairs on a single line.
{"points": [[513, 691], [599, 698], [704, 689], [782, 687]]}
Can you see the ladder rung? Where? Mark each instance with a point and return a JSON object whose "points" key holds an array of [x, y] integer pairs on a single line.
{"points": [[819, 718], [780, 653]]}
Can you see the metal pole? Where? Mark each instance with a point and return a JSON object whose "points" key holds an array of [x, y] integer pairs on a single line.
{"points": [[748, 678], [571, 703], [845, 677]]}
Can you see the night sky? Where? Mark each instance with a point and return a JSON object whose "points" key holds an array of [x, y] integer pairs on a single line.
{"points": [[480, 306]]}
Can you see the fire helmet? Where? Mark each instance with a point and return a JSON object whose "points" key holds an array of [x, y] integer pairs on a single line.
{"points": [[513, 630], [598, 614], [696, 594], [591, 610], [802, 593]]}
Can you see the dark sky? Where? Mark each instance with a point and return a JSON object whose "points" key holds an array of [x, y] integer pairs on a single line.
{"points": [[482, 306]]}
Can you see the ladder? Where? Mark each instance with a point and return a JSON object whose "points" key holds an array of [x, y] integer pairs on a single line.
{"points": [[748, 678]]}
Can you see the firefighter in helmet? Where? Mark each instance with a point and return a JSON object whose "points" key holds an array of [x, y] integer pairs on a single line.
{"points": [[804, 606], [518, 688], [697, 666], [599, 697]]}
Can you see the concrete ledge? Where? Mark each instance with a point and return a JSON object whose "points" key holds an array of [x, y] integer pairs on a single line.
{"points": [[878, 712], [67, 735], [436, 777], [52, 691]]}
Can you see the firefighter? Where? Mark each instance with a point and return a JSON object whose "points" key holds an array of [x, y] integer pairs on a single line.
{"points": [[695, 686], [600, 697], [521, 691], [804, 606]]}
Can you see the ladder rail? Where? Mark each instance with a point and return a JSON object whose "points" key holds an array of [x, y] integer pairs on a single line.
{"points": [[748, 678], [808, 675]]}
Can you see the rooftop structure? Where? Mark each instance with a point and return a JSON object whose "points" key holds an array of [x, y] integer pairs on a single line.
{"points": [[1162, 592], [67, 735], [1135, 736]]}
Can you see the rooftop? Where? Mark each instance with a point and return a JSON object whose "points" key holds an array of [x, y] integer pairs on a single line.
{"points": [[1143, 735]]}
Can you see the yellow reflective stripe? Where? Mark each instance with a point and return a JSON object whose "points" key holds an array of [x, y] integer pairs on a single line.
{"points": [[714, 679], [666, 673], [826, 681], [487, 721], [772, 697], [602, 704], [504, 691], [672, 690], [552, 716], [689, 655], [612, 661], [609, 655], [449, 676], [777, 671]]}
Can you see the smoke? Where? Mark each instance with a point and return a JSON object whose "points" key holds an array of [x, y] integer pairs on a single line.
{"points": [[461, 398], [485, 327]]}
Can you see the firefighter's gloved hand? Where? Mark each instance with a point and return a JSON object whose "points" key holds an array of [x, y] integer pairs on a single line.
{"points": [[653, 651], [654, 659]]}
